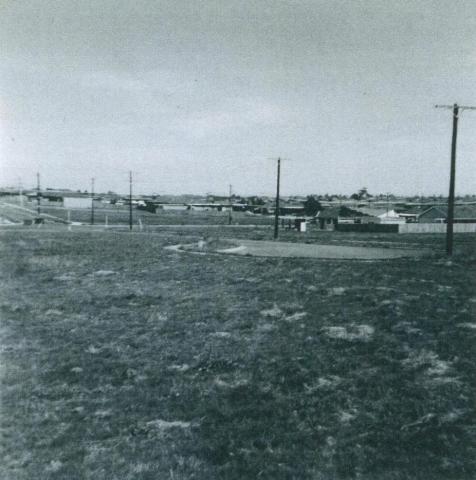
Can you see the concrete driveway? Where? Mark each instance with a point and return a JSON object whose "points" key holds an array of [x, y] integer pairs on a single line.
{"points": [[303, 250]]}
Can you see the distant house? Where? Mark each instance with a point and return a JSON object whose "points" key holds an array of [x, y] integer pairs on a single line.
{"points": [[293, 222], [173, 206], [465, 214], [207, 207], [410, 214], [67, 199], [380, 215], [291, 210], [53, 197], [239, 207], [329, 217], [261, 210], [438, 214], [218, 199]]}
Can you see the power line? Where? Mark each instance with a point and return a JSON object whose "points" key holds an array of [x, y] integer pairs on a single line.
{"points": [[451, 197]]}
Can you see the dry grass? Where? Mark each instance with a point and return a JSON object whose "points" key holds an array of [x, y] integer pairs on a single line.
{"points": [[121, 360]]}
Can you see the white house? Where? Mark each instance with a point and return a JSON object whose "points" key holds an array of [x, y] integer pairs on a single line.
{"points": [[381, 216], [391, 217]]}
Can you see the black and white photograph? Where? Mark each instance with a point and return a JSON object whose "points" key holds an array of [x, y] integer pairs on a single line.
{"points": [[237, 240]]}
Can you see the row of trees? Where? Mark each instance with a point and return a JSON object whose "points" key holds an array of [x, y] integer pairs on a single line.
{"points": [[312, 204]]}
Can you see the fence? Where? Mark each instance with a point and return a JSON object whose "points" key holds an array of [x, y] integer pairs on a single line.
{"points": [[436, 228], [367, 227]]}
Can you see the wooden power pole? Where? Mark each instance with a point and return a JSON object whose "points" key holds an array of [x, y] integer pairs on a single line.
{"points": [[92, 201], [276, 213], [451, 196], [130, 201], [230, 206], [38, 194]]}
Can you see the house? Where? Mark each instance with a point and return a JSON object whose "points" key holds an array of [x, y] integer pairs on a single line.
{"points": [[465, 214], [329, 217], [67, 199], [51, 196], [240, 207], [219, 198], [435, 214], [207, 207], [292, 222], [410, 213], [262, 210], [173, 206], [291, 210], [438, 214], [380, 215]]}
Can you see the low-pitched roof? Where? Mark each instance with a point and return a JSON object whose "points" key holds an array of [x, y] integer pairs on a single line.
{"points": [[466, 212], [376, 212], [340, 211]]}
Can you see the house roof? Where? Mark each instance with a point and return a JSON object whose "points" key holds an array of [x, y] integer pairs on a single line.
{"points": [[460, 211], [292, 207], [434, 210], [340, 211], [59, 194], [329, 212], [411, 210], [377, 212], [465, 211]]}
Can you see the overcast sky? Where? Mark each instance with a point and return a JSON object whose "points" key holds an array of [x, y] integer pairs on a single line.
{"points": [[194, 95]]}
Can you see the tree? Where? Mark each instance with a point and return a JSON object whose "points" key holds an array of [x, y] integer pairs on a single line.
{"points": [[256, 200], [361, 195], [148, 207], [312, 206]]}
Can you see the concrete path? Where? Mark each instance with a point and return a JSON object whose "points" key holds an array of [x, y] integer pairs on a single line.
{"points": [[285, 249]]}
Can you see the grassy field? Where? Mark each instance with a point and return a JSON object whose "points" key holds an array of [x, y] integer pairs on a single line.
{"points": [[122, 360], [11, 210], [120, 215]]}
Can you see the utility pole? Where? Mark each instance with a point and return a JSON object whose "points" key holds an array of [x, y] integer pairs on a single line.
{"points": [[20, 190], [229, 201], [38, 193], [92, 201], [276, 213], [130, 200], [451, 197]]}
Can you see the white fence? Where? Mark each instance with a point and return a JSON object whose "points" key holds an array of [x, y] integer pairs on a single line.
{"points": [[436, 228]]}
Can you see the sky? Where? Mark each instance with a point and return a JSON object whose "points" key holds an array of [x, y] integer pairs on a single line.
{"points": [[192, 96]]}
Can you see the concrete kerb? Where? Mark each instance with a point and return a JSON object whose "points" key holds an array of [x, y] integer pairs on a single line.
{"points": [[264, 248]]}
